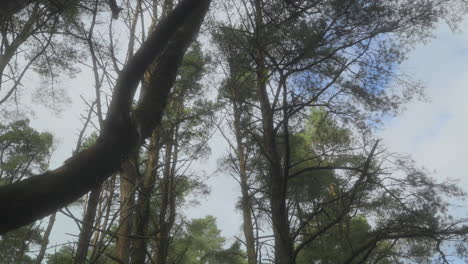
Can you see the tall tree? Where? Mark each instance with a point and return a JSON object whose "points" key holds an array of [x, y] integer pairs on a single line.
{"points": [[237, 93], [339, 55], [24, 152]]}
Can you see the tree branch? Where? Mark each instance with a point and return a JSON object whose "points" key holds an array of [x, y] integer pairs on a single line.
{"points": [[38, 196]]}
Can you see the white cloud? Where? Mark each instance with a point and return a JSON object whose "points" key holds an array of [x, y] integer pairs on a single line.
{"points": [[435, 133]]}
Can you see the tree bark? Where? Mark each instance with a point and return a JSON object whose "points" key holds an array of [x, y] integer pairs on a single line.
{"points": [[38, 196], [144, 200], [246, 199]]}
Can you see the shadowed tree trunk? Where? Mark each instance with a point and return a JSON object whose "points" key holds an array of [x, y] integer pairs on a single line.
{"points": [[166, 210], [87, 226], [277, 183], [37, 196]]}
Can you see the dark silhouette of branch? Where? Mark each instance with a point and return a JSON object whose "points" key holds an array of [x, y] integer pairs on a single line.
{"points": [[40, 195], [11, 7]]}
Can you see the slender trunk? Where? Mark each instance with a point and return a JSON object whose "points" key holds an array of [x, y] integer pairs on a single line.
{"points": [[99, 226], [246, 203], [45, 239], [134, 22], [284, 246], [172, 185], [164, 229], [99, 238], [144, 200], [87, 226], [128, 177]]}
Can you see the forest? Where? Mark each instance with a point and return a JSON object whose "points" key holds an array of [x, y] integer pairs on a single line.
{"points": [[293, 93]]}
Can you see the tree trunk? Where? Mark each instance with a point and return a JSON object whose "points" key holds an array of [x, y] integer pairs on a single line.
{"points": [[45, 239], [87, 226], [128, 177], [246, 199], [144, 201], [99, 236], [164, 228], [284, 246]]}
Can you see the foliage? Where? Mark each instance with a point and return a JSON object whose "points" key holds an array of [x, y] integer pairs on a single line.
{"points": [[305, 83], [25, 151], [63, 256], [340, 242], [15, 245], [202, 243]]}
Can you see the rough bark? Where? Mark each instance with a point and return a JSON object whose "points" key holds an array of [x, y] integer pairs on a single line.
{"points": [[38, 196]]}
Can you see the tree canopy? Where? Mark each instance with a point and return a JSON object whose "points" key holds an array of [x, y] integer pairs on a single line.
{"points": [[296, 91]]}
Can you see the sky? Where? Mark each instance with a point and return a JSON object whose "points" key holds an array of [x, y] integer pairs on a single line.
{"points": [[434, 132]]}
